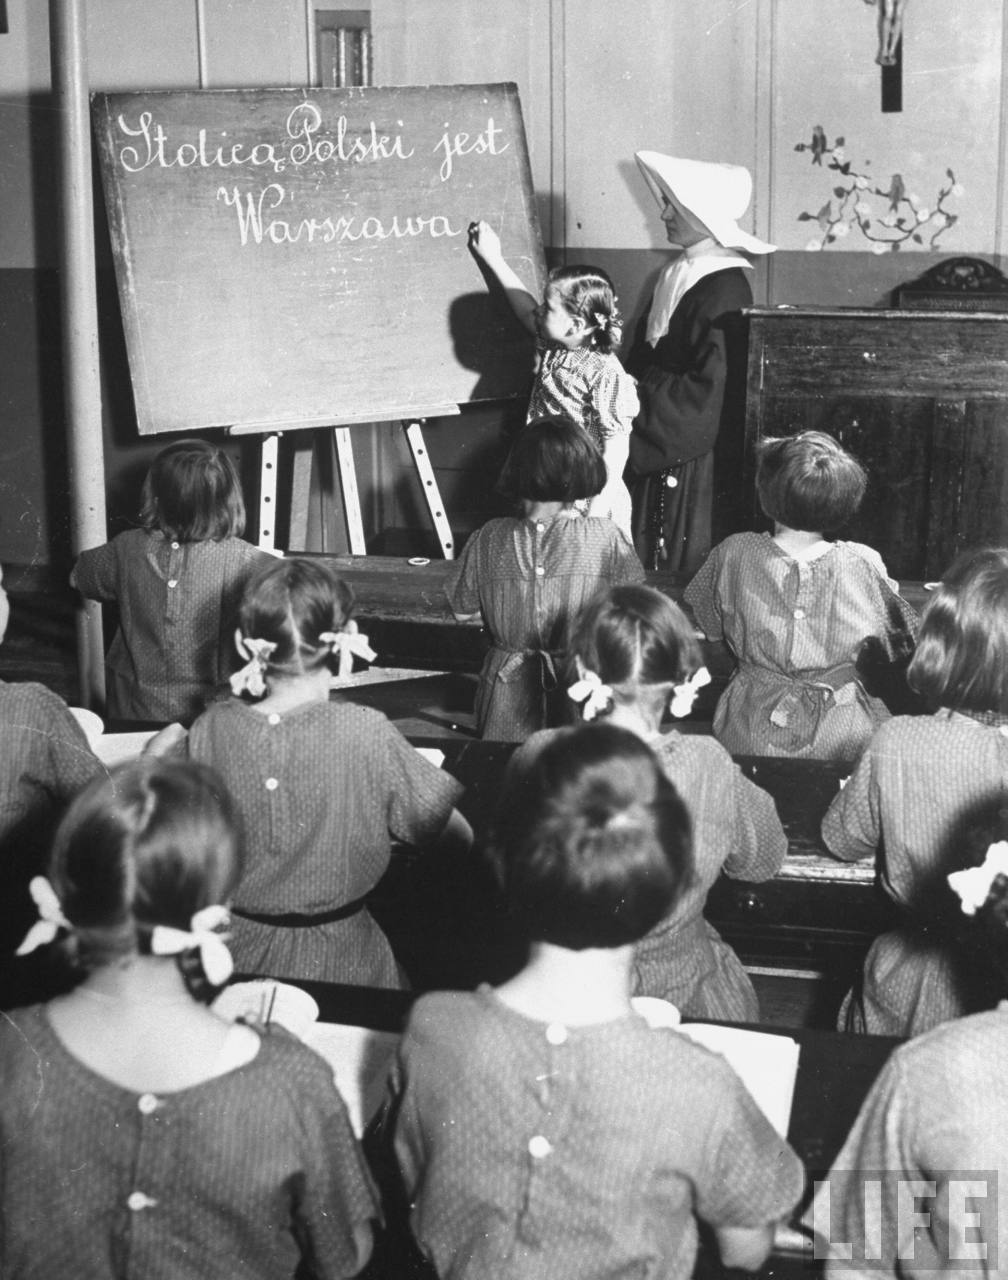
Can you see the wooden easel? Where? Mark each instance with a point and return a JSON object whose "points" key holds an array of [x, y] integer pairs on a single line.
{"points": [[347, 473]]}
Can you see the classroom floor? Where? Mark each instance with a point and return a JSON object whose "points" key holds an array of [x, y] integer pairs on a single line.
{"points": [[41, 645]]}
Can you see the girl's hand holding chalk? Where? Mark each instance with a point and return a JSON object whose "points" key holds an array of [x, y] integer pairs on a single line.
{"points": [[484, 241]]}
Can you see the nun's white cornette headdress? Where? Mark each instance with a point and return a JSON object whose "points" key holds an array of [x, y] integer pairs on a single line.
{"points": [[713, 196]]}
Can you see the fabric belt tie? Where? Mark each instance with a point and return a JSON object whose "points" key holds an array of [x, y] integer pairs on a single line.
{"points": [[517, 659], [803, 702], [297, 920]]}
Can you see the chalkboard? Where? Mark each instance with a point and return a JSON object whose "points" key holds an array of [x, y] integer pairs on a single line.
{"points": [[299, 257]]}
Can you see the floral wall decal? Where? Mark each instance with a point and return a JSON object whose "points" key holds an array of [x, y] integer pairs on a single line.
{"points": [[890, 217]]}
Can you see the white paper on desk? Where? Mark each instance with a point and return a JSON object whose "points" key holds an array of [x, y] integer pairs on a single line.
{"points": [[766, 1064], [360, 1059], [110, 748], [432, 754], [116, 748]]}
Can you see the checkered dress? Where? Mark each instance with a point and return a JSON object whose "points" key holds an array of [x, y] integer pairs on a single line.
{"points": [[589, 388], [596, 392]]}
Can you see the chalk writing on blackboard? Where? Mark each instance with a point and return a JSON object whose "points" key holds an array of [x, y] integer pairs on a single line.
{"points": [[251, 226], [301, 146]]}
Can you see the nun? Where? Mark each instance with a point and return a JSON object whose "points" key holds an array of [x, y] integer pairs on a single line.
{"points": [[689, 356]]}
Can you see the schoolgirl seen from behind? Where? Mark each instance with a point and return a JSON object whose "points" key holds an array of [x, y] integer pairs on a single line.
{"points": [[177, 582], [578, 329], [544, 1130], [796, 609], [636, 657], [922, 786], [140, 1133], [936, 1109], [323, 788], [44, 760], [528, 575]]}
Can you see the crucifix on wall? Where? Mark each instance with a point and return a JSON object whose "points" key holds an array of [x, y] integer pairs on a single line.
{"points": [[890, 51]]}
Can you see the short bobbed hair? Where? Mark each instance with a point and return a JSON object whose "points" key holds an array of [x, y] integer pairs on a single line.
{"points": [[591, 844], [633, 635], [808, 481], [588, 293], [150, 844], [192, 493], [290, 603], [553, 460], [961, 659]]}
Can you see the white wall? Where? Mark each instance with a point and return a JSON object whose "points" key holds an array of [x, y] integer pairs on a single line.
{"points": [[720, 80]]}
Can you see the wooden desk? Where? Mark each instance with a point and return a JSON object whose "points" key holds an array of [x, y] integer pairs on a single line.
{"points": [[816, 909], [393, 590], [835, 1071], [817, 912], [404, 610]]}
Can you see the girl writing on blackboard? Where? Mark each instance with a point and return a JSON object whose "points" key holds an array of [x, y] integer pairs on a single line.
{"points": [[323, 788], [176, 1143], [578, 328], [177, 582], [529, 574], [544, 1128]]}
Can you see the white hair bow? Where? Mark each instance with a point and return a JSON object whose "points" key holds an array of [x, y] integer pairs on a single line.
{"points": [[51, 918], [590, 690], [684, 695], [350, 643], [214, 955], [250, 678], [973, 885]]}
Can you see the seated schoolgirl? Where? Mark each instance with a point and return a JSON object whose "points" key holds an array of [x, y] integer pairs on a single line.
{"points": [[544, 1130], [140, 1134], [177, 582], [637, 657], [935, 1132], [922, 785], [323, 788], [44, 760], [529, 574], [796, 609]]}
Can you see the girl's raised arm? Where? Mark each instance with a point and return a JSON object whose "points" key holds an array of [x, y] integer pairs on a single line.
{"points": [[485, 244]]}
